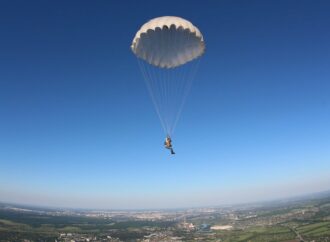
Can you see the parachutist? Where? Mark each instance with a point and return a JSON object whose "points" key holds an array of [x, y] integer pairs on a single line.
{"points": [[168, 144]]}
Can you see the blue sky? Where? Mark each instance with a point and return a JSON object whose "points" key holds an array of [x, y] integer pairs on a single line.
{"points": [[78, 129]]}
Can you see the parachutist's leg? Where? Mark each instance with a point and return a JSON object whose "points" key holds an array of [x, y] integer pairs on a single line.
{"points": [[172, 151]]}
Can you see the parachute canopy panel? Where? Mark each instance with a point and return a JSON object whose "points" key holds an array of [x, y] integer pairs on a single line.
{"points": [[168, 42]]}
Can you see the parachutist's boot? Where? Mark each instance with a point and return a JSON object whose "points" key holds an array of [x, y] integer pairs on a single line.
{"points": [[172, 152]]}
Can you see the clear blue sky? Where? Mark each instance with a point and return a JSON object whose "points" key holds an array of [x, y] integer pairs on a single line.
{"points": [[78, 129]]}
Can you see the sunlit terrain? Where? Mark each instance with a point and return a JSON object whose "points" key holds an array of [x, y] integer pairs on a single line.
{"points": [[299, 219]]}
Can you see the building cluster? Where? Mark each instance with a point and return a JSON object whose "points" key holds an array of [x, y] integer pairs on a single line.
{"points": [[160, 236], [76, 237]]}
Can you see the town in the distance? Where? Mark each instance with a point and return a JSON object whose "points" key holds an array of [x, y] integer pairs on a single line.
{"points": [[300, 219]]}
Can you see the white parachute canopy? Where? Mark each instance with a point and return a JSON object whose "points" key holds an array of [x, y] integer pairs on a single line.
{"points": [[166, 47]]}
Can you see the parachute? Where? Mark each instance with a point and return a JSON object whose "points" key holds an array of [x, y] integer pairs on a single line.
{"points": [[167, 49]]}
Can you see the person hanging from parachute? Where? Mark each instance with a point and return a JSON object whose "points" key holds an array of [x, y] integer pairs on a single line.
{"points": [[166, 49], [168, 144]]}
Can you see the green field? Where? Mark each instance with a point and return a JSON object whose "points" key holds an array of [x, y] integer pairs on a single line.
{"points": [[315, 230], [272, 233]]}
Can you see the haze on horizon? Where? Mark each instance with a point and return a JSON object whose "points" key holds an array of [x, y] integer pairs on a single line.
{"points": [[78, 129]]}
